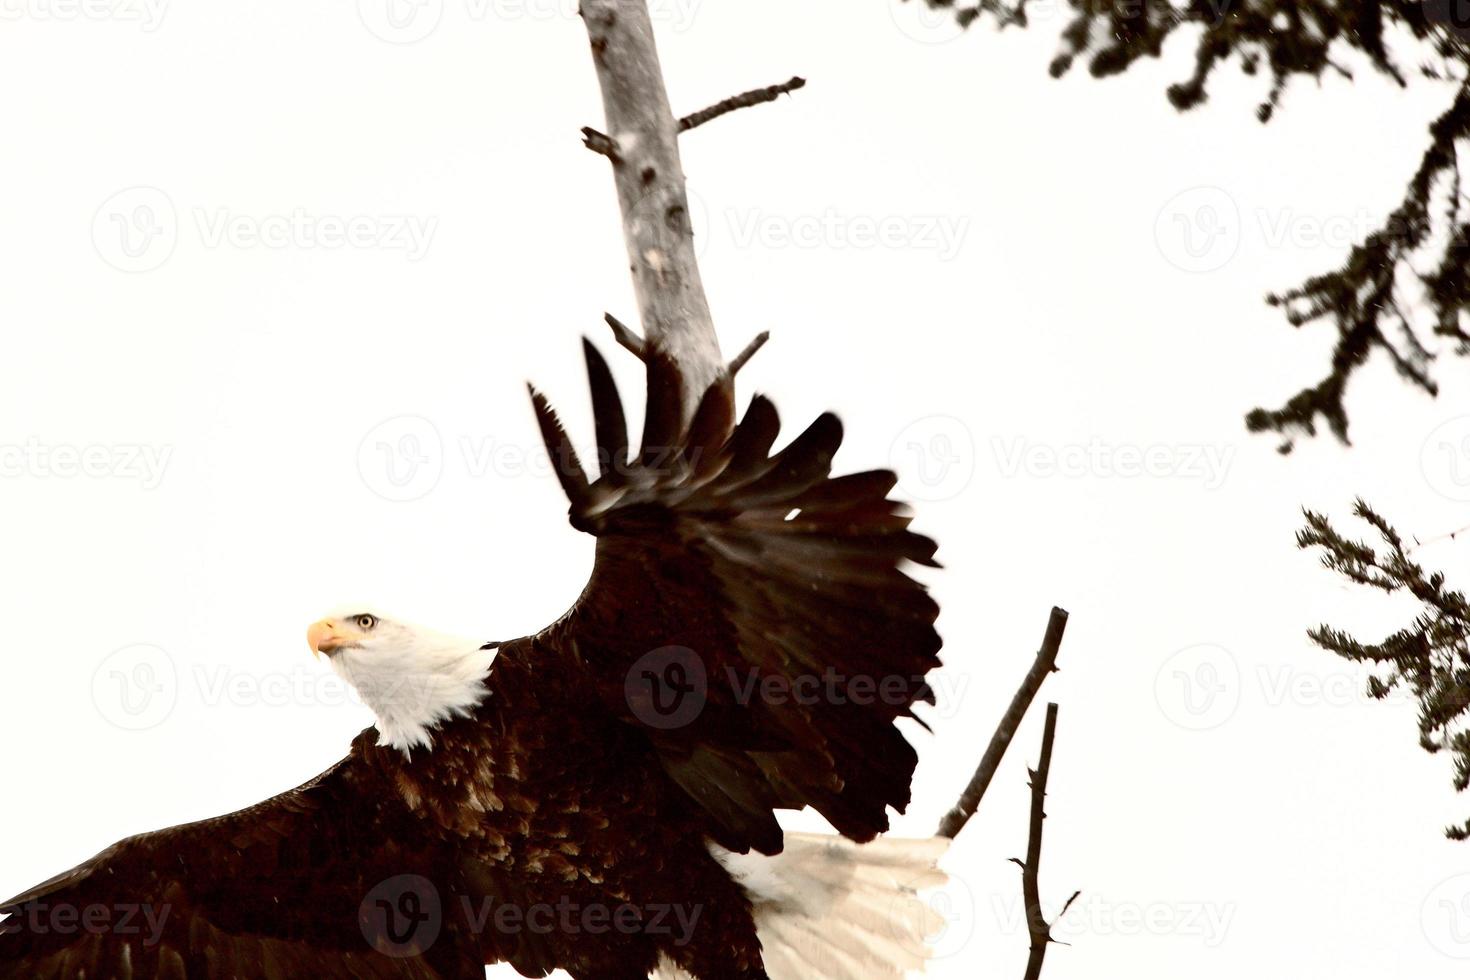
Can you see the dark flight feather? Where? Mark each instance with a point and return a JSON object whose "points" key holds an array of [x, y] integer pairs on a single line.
{"points": [[559, 446], [607, 409], [663, 413]]}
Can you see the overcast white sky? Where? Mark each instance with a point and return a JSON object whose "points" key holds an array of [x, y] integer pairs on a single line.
{"points": [[984, 271]]}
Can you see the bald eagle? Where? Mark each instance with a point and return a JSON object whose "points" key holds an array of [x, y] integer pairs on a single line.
{"points": [[600, 797]]}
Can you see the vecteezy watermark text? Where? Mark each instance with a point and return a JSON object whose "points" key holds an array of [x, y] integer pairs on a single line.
{"points": [[669, 688], [148, 14], [1094, 915], [1207, 464], [139, 228], [97, 919], [411, 21], [404, 915], [407, 233], [944, 235], [39, 460], [568, 917]]}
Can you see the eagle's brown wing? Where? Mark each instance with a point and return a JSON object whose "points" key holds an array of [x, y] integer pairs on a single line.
{"points": [[323, 881], [748, 610]]}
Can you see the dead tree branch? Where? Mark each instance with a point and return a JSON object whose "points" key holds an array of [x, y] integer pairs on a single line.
{"points": [[744, 100], [1046, 662], [641, 141], [749, 352], [599, 142], [1036, 924], [625, 336]]}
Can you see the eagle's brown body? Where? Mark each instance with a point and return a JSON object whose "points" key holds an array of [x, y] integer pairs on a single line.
{"points": [[571, 816], [668, 712]]}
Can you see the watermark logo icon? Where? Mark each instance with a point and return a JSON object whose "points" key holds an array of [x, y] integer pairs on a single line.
{"points": [[1445, 916], [136, 229], [926, 22], [1198, 230], [402, 458], [935, 920], [137, 687], [1452, 15], [667, 688], [1199, 687], [402, 916], [934, 458], [1444, 459], [401, 21]]}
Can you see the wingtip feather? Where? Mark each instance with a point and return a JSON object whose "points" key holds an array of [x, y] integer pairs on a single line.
{"points": [[609, 419], [559, 446]]}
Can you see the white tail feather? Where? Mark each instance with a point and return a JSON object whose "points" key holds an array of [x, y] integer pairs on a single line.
{"points": [[829, 909]]}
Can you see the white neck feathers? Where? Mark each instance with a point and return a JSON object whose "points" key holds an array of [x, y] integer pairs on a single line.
{"points": [[417, 683]]}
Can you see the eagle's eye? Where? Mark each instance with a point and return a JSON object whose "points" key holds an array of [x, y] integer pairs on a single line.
{"points": [[366, 622]]}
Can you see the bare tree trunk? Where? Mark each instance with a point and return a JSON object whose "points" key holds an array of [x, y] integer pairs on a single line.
{"points": [[642, 141]]}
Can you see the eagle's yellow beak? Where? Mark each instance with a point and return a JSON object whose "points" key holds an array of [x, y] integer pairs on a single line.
{"points": [[324, 636]]}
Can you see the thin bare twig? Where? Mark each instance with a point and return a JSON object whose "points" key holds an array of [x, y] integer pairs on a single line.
{"points": [[744, 100], [1046, 662], [1451, 536], [1036, 924], [625, 336], [749, 352]]}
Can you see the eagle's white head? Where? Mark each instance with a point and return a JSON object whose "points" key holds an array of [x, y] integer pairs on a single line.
{"points": [[413, 679]]}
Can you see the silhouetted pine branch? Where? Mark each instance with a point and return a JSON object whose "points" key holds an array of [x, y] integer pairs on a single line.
{"points": [[1370, 298], [1364, 297], [1430, 657]]}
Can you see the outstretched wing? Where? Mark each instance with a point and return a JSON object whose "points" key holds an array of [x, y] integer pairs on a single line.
{"points": [[323, 881], [748, 610]]}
